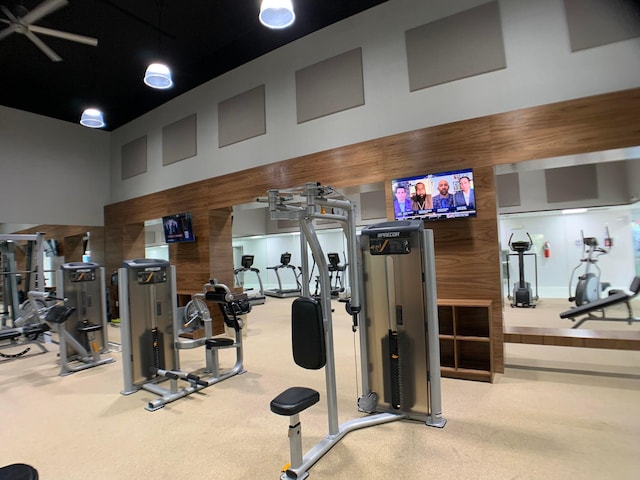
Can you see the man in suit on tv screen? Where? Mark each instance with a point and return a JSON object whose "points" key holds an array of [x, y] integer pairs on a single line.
{"points": [[465, 197]]}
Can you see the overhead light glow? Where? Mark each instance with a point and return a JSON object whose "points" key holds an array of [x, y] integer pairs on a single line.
{"points": [[276, 13], [92, 118], [569, 211], [158, 76]]}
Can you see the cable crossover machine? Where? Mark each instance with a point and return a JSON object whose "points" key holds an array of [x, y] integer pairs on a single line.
{"points": [[392, 276]]}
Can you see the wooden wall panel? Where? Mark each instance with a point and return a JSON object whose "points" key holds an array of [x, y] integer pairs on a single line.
{"points": [[467, 256], [589, 124]]}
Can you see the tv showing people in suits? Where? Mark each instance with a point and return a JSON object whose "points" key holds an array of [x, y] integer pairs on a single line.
{"points": [[435, 196]]}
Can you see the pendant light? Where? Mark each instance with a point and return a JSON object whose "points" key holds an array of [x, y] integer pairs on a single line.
{"points": [[92, 118], [276, 13], [158, 75]]}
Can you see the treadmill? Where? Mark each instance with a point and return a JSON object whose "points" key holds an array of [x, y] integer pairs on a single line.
{"points": [[281, 292], [256, 297]]}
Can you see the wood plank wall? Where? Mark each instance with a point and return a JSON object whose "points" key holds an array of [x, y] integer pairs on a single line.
{"points": [[467, 251]]}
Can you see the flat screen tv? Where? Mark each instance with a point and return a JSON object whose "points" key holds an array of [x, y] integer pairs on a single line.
{"points": [[435, 196], [178, 228]]}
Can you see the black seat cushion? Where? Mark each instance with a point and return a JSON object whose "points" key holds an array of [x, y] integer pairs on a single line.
{"points": [[218, 342], [18, 471], [294, 400]]}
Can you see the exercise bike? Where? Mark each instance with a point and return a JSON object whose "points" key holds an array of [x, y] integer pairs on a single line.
{"points": [[522, 293], [588, 287]]}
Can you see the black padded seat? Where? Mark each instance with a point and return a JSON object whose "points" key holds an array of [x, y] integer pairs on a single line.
{"points": [[33, 331], [18, 471], [219, 342], [294, 400], [89, 328], [59, 314], [10, 334]]}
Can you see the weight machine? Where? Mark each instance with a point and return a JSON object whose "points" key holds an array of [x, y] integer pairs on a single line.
{"points": [[33, 326], [12, 297], [82, 334], [312, 332], [151, 331]]}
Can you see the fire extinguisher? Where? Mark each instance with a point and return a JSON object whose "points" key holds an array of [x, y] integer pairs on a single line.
{"points": [[546, 249]]}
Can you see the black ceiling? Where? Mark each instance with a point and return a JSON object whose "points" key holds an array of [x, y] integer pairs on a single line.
{"points": [[199, 39]]}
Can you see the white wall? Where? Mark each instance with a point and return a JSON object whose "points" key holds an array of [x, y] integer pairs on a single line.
{"points": [[540, 69], [51, 171]]}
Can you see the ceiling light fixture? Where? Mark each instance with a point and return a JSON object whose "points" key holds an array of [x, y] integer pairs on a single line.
{"points": [[92, 118], [276, 13], [158, 76], [570, 211]]}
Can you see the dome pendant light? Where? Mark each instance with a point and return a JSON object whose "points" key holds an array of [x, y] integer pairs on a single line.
{"points": [[158, 76], [92, 118], [276, 13]]}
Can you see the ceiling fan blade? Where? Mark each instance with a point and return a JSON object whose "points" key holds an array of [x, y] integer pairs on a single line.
{"points": [[41, 45], [65, 35], [45, 8], [7, 31], [8, 13], [4, 20]]}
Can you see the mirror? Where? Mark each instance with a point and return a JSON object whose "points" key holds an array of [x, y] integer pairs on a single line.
{"points": [[569, 229]]}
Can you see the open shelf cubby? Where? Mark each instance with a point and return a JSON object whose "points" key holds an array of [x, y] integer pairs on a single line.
{"points": [[465, 339]]}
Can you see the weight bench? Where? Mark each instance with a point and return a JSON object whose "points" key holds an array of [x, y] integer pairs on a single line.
{"points": [[11, 338], [616, 297]]}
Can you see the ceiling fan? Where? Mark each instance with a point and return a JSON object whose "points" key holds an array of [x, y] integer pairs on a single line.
{"points": [[22, 22]]}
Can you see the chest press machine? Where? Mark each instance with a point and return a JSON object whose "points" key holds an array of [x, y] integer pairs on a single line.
{"points": [[400, 380]]}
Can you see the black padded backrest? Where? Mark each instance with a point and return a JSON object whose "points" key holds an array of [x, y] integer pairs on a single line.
{"points": [[307, 333], [635, 285]]}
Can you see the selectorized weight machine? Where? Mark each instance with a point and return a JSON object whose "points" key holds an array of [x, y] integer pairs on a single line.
{"points": [[83, 334], [400, 380], [150, 332]]}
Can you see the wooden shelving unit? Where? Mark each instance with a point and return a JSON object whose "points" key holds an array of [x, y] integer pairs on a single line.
{"points": [[465, 339]]}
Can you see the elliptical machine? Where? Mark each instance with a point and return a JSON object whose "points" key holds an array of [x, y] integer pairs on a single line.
{"points": [[589, 288], [522, 293]]}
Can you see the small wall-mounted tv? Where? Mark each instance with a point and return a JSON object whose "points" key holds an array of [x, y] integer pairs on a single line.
{"points": [[436, 196], [178, 228]]}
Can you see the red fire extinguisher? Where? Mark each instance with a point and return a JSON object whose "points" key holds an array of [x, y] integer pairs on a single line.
{"points": [[546, 249]]}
